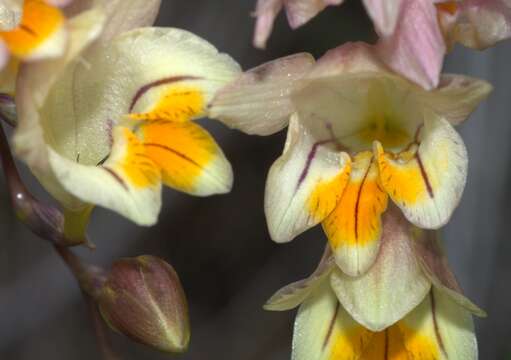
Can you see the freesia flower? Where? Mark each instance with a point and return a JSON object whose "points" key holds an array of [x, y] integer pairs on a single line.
{"points": [[30, 30], [408, 305], [413, 33], [112, 120], [409, 263], [358, 135]]}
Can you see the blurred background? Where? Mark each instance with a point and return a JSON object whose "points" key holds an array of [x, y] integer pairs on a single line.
{"points": [[220, 245]]}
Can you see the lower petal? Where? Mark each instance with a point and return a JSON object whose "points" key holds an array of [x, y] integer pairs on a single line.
{"points": [[354, 227], [189, 158], [428, 182], [392, 287], [128, 182]]}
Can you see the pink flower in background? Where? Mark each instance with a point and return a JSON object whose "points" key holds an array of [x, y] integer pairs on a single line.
{"points": [[414, 34], [298, 13]]}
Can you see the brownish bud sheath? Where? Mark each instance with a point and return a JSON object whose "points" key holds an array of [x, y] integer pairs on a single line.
{"points": [[144, 300]]}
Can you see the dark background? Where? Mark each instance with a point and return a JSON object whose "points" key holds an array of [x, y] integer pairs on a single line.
{"points": [[220, 245]]}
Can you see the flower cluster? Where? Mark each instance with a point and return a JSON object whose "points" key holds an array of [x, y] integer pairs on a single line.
{"points": [[105, 110]]}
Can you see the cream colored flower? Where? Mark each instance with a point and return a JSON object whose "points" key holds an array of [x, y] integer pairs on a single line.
{"points": [[112, 120], [358, 136]]}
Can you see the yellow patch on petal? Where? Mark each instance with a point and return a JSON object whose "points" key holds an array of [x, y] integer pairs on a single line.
{"points": [[349, 343], [39, 23], [403, 176], [182, 150], [177, 103], [398, 342], [356, 218], [136, 165], [327, 194]]}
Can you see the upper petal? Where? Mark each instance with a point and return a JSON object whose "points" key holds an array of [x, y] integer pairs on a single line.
{"points": [[427, 182], [392, 287], [258, 102], [304, 184], [416, 49], [456, 97]]}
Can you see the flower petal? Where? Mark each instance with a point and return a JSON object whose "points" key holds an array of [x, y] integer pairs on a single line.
{"points": [[40, 34], [128, 182], [416, 48], [324, 330], [354, 227], [300, 12], [456, 97], [189, 158], [258, 101], [427, 183], [294, 294], [384, 14], [266, 12], [439, 329], [392, 287], [480, 24], [304, 184], [434, 264]]}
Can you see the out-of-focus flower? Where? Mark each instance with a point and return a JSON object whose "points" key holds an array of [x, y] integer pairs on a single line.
{"points": [[413, 33], [477, 24], [358, 135], [143, 299], [410, 261], [111, 121], [298, 13]]}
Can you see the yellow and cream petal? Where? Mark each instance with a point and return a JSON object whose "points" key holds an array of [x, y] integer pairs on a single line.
{"points": [[427, 181], [189, 158], [258, 102], [294, 294], [456, 97], [129, 182], [304, 184], [151, 73], [40, 34], [439, 329], [325, 331], [354, 227], [430, 255], [392, 287]]}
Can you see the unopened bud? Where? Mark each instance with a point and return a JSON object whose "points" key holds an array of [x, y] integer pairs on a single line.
{"points": [[143, 299]]}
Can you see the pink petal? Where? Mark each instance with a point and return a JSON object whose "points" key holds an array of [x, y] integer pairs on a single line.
{"points": [[59, 3], [266, 12], [301, 11], [4, 55], [384, 14], [416, 48], [482, 23]]}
